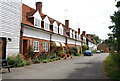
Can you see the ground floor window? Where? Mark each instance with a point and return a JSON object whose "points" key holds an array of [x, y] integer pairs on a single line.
{"points": [[36, 46], [45, 46]]}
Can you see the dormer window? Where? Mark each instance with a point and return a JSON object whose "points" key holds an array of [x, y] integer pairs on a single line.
{"points": [[61, 30], [70, 33], [77, 36], [37, 19], [73, 35], [46, 23], [55, 28], [37, 22], [46, 26]]}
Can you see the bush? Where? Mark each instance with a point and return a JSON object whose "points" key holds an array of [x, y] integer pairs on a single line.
{"points": [[16, 61], [31, 52], [77, 54], [47, 60], [112, 66], [36, 60]]}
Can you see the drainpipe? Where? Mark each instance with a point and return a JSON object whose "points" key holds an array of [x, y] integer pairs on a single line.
{"points": [[21, 40], [50, 42]]}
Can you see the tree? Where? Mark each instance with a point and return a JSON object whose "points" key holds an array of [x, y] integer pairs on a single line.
{"points": [[97, 39], [116, 28]]}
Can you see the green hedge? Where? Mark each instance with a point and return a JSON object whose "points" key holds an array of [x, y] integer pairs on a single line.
{"points": [[112, 66]]}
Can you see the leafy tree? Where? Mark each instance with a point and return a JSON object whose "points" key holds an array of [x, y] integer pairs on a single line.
{"points": [[116, 28], [97, 39]]}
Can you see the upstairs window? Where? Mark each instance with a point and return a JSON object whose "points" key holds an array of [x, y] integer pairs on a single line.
{"points": [[45, 46], [70, 34], [74, 35], [55, 28], [77, 37], [36, 46], [37, 22], [46, 26], [61, 31]]}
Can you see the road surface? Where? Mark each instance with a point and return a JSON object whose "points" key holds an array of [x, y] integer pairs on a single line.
{"points": [[84, 67]]}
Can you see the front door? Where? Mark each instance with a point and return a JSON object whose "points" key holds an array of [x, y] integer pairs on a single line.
{"points": [[25, 48], [2, 48]]}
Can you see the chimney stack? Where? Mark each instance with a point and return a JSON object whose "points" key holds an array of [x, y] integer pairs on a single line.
{"points": [[39, 6], [78, 30], [92, 37], [84, 33], [67, 23]]}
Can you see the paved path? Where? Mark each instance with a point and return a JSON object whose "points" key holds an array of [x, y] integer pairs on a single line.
{"points": [[84, 67]]}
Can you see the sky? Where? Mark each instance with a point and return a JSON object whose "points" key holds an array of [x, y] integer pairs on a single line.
{"points": [[92, 16]]}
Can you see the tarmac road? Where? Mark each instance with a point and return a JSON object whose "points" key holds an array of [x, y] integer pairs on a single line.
{"points": [[84, 67]]}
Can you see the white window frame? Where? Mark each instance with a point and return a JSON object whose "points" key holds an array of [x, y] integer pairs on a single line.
{"points": [[70, 33], [61, 31], [73, 35], [36, 46], [45, 46], [55, 28], [37, 22], [46, 26]]}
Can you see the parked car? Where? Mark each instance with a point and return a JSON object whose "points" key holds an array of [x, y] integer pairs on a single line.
{"points": [[88, 53], [98, 51]]}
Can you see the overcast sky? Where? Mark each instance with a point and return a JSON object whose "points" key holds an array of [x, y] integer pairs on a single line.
{"points": [[92, 16]]}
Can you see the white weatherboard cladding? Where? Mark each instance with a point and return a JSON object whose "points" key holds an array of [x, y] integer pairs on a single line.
{"points": [[70, 41], [37, 16], [10, 24], [28, 32], [78, 43], [58, 38]]}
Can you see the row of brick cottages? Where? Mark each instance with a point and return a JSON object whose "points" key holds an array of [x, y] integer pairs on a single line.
{"points": [[41, 32]]}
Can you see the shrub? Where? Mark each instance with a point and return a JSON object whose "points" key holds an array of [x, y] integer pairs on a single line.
{"points": [[31, 52], [112, 66], [77, 54], [16, 61], [36, 60], [46, 60]]}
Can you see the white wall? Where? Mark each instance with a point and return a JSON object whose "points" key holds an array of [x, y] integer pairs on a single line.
{"points": [[10, 23], [58, 38], [78, 43], [70, 41], [28, 32]]}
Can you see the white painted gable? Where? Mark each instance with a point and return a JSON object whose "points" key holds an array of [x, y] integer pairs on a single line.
{"points": [[55, 24], [46, 20], [61, 26], [37, 15]]}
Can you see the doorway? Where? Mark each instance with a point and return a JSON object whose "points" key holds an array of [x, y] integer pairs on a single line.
{"points": [[25, 48], [2, 48]]}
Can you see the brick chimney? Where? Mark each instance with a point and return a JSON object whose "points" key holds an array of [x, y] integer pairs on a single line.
{"points": [[67, 23], [78, 31], [92, 37], [84, 33], [39, 6]]}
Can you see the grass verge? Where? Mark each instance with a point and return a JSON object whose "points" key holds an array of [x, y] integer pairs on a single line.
{"points": [[112, 66]]}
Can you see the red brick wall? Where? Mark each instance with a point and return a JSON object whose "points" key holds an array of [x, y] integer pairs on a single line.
{"points": [[41, 41]]}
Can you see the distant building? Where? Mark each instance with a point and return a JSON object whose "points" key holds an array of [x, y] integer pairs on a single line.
{"points": [[103, 47]]}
